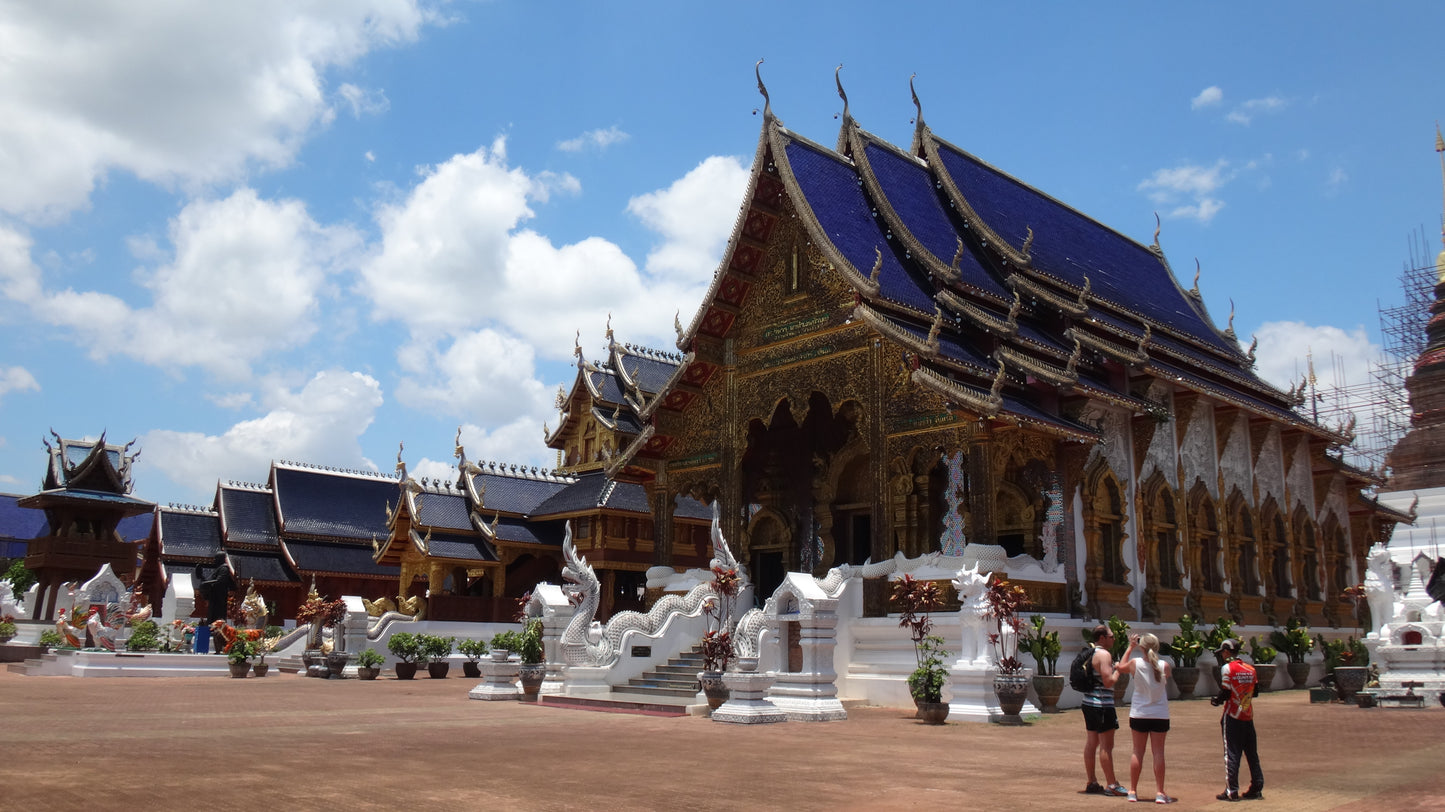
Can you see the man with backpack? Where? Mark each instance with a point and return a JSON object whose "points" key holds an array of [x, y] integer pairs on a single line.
{"points": [[1092, 673], [1237, 690]]}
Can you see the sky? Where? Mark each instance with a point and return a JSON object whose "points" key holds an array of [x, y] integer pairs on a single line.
{"points": [[313, 231]]}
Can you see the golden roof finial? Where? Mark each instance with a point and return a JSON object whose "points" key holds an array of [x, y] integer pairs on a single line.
{"points": [[917, 105], [877, 264], [839, 81], [577, 345], [1194, 291], [767, 102], [1158, 226]]}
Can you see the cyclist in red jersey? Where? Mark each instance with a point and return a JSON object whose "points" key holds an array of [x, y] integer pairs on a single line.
{"points": [[1236, 693]]}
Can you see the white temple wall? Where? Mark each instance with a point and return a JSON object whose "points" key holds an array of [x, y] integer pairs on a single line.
{"points": [[1198, 451]]}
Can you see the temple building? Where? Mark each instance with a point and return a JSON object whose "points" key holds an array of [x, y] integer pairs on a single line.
{"points": [[907, 350], [85, 497]]}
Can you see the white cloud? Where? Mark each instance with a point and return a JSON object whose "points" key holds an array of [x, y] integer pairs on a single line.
{"points": [[596, 139], [172, 92], [1337, 178], [320, 423], [17, 379], [363, 102], [694, 216], [1189, 191], [1208, 97], [1285, 346], [483, 374], [370, 156], [1245, 113], [245, 279]]}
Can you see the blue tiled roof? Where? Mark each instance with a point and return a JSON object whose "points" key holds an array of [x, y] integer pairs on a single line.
{"points": [[189, 535], [910, 190], [689, 508], [650, 373], [261, 566], [609, 389], [326, 556], [449, 510], [323, 503], [136, 528], [582, 495], [467, 548], [514, 494], [833, 192], [20, 523], [1069, 246], [102, 497], [625, 420], [250, 516], [516, 530]]}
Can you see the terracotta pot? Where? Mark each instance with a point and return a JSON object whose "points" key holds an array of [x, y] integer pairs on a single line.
{"points": [[1264, 675], [438, 670], [260, 669], [1349, 679], [532, 675], [713, 687], [368, 672], [1120, 688], [239, 670], [405, 670], [1049, 689], [932, 713], [1012, 691], [1186, 679], [1299, 673], [471, 669]]}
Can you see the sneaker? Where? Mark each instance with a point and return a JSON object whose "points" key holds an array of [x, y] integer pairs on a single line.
{"points": [[1253, 794], [1116, 791], [1165, 799], [1132, 797], [1092, 788], [1227, 796]]}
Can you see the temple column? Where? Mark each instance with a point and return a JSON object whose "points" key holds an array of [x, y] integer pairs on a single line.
{"points": [[981, 486]]}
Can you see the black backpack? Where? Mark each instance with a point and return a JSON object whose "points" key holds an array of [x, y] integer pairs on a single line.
{"points": [[1081, 671]]}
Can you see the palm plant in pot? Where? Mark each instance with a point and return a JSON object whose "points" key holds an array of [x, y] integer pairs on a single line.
{"points": [[368, 663], [529, 648], [1186, 648], [1011, 683], [472, 649], [1264, 656], [1120, 630], [1295, 643], [717, 641], [436, 649], [1045, 648], [915, 600], [1223, 630], [407, 649]]}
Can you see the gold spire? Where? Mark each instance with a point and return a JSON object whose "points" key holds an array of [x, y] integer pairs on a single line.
{"points": [[1440, 260]]}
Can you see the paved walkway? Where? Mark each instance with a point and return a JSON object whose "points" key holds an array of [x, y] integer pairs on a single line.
{"points": [[286, 742]]}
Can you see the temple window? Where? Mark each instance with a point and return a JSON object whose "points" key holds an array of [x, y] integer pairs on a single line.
{"points": [[1111, 533], [1248, 553]]}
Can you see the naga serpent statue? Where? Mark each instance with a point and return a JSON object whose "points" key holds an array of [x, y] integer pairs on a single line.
{"points": [[586, 642]]}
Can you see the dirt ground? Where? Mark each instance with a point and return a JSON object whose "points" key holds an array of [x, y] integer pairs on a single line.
{"points": [[285, 742]]}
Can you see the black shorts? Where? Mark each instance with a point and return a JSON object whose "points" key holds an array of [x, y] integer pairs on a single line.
{"points": [[1149, 725], [1100, 720]]}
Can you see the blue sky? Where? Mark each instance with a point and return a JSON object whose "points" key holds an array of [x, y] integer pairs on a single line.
{"points": [[310, 231]]}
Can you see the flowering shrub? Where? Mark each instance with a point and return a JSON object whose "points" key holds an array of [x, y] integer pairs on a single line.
{"points": [[1004, 602], [915, 600]]}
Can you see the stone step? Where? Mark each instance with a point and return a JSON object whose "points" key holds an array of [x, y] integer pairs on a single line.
{"points": [[619, 703], [673, 684], [649, 690]]}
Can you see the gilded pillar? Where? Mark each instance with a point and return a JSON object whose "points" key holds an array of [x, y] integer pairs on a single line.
{"points": [[982, 486]]}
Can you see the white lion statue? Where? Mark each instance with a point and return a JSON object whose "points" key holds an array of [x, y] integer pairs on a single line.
{"points": [[972, 611]]}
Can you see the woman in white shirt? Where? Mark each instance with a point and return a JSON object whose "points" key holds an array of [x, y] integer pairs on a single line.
{"points": [[1149, 709]]}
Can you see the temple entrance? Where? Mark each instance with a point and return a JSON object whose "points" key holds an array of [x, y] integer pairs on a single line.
{"points": [[813, 481]]}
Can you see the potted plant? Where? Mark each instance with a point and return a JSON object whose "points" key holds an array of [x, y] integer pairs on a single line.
{"points": [[717, 641], [239, 657], [368, 663], [1121, 644], [1295, 642], [1347, 660], [144, 636], [503, 644], [472, 649], [50, 639], [915, 600], [407, 649], [1004, 601], [1045, 648], [533, 670], [1264, 656], [436, 649], [1215, 637], [7, 629], [1186, 648]]}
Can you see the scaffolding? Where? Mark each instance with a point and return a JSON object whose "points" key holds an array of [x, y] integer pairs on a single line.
{"points": [[1380, 407]]}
